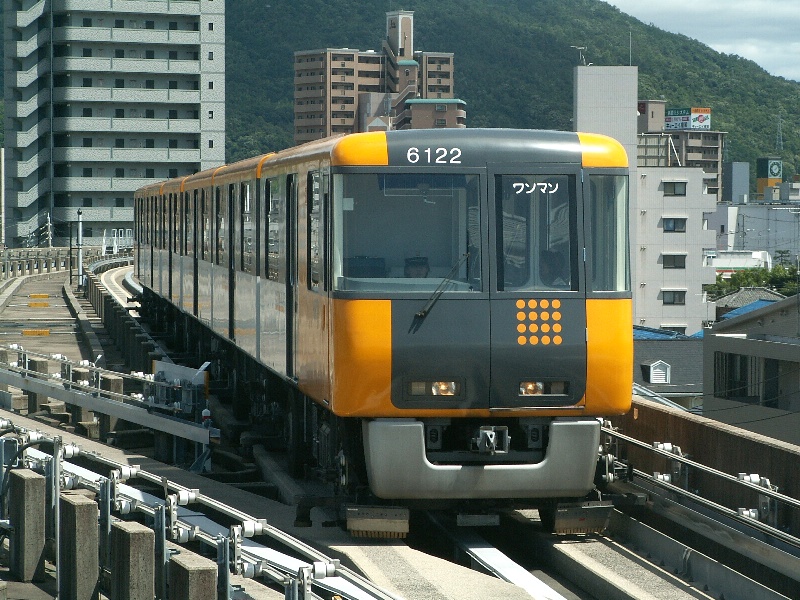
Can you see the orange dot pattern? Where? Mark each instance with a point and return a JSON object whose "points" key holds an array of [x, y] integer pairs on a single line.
{"points": [[539, 322]]}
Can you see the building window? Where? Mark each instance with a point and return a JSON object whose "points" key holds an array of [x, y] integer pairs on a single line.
{"points": [[173, 84], [673, 297], [211, 27], [211, 85], [87, 22], [149, 143], [674, 188], [674, 261], [119, 203], [210, 143], [210, 56], [87, 202], [149, 84], [149, 113], [150, 173], [120, 173], [119, 113], [173, 144], [87, 82], [149, 54], [173, 173], [119, 83], [149, 24], [87, 112], [441, 107], [440, 122], [119, 143], [87, 142], [674, 225], [119, 53], [87, 52], [87, 171], [173, 25], [119, 23], [173, 113], [173, 55], [211, 114]]}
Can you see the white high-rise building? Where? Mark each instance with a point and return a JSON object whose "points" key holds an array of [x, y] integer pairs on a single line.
{"points": [[102, 97]]}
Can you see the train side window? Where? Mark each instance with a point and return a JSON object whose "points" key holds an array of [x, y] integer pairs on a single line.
{"points": [[188, 226], [316, 191], [247, 249], [203, 233], [609, 266], [235, 207], [220, 228], [275, 235], [175, 224]]}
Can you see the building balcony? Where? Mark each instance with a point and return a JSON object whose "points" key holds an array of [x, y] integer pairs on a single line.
{"points": [[177, 7], [23, 109], [127, 155], [31, 45], [23, 79], [99, 184], [93, 213], [23, 198], [125, 95], [110, 125], [141, 36], [300, 94], [24, 139], [309, 122], [26, 168], [97, 66], [26, 16]]}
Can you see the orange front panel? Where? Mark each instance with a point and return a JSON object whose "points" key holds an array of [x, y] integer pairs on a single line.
{"points": [[602, 151], [361, 149], [609, 353], [361, 358]]}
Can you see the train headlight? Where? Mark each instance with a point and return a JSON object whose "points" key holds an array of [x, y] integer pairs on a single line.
{"points": [[444, 388], [436, 388], [547, 388], [531, 388]]}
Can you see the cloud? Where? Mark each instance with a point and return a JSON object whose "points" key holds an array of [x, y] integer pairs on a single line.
{"points": [[764, 31]]}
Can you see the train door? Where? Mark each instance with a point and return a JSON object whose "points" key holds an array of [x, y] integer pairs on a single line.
{"points": [[538, 312]]}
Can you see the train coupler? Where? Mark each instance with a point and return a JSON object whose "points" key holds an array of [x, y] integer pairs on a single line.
{"points": [[491, 439]]}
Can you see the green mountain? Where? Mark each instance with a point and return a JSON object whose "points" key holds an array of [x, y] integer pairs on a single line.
{"points": [[513, 66]]}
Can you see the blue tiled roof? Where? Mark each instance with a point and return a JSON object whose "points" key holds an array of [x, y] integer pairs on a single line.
{"points": [[747, 308], [650, 333]]}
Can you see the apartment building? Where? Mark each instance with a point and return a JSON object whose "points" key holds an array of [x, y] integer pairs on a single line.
{"points": [[343, 90], [684, 139], [102, 97], [668, 204]]}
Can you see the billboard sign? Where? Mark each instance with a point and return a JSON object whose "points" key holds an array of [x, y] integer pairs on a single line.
{"points": [[688, 118]]}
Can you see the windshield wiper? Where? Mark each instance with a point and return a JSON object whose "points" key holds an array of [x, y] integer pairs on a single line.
{"points": [[440, 288]]}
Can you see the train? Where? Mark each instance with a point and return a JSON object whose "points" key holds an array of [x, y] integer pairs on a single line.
{"points": [[423, 316]]}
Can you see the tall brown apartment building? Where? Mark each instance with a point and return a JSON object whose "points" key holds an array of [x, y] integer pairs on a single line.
{"points": [[342, 90]]}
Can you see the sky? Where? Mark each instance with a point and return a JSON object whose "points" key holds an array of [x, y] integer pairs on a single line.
{"points": [[764, 31]]}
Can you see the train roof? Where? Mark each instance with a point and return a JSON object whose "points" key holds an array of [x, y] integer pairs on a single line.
{"points": [[385, 148]]}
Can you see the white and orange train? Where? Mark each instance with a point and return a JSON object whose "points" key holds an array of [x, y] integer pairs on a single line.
{"points": [[434, 315]]}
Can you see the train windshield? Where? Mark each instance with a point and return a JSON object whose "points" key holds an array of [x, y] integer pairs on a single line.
{"points": [[536, 232], [406, 232]]}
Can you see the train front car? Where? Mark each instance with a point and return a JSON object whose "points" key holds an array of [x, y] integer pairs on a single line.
{"points": [[481, 308]]}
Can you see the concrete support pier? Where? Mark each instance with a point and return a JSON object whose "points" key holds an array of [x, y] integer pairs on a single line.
{"points": [[132, 561], [192, 577], [35, 401], [80, 564], [25, 510]]}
